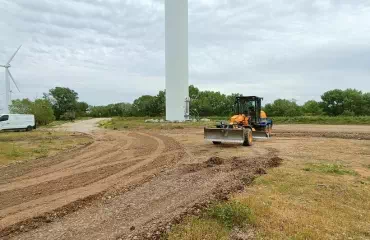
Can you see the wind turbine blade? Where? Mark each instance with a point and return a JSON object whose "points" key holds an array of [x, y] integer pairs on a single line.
{"points": [[11, 76], [14, 55]]}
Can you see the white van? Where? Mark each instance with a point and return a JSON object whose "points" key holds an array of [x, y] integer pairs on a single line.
{"points": [[17, 122]]}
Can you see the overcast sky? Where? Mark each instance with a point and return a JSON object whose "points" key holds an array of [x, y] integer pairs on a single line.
{"points": [[113, 51]]}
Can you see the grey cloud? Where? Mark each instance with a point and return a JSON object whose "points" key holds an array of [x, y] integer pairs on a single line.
{"points": [[113, 50]]}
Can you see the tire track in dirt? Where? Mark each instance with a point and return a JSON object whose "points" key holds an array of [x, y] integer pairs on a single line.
{"points": [[18, 196], [96, 151], [155, 202], [63, 171], [306, 134], [26, 210], [163, 178]]}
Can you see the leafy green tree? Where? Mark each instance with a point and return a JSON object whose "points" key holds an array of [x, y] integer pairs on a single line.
{"points": [[366, 104], [68, 116], [193, 92], [111, 110], [81, 109], [353, 101], [209, 103], [333, 102], [312, 108], [43, 111], [63, 100], [23, 106], [284, 108], [344, 102], [160, 103], [41, 108], [145, 106]]}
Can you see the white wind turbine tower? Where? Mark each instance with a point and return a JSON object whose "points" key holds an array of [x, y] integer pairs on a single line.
{"points": [[7, 82], [177, 65]]}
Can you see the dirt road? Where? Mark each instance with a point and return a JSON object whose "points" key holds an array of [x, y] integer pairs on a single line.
{"points": [[86, 126], [128, 184]]}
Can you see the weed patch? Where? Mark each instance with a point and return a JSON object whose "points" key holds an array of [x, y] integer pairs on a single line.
{"points": [[231, 214], [20, 146], [42, 150], [14, 152], [194, 228], [330, 169]]}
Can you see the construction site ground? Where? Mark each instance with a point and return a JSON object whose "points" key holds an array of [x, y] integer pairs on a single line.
{"points": [[133, 184]]}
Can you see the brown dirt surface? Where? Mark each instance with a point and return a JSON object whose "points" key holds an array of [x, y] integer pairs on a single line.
{"points": [[132, 184]]}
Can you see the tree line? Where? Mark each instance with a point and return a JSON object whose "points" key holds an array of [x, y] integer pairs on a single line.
{"points": [[62, 104], [58, 104], [349, 102]]}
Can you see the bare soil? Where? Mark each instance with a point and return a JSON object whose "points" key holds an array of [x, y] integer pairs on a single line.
{"points": [[133, 184]]}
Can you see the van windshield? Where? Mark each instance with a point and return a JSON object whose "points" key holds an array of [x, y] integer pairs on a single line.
{"points": [[4, 118]]}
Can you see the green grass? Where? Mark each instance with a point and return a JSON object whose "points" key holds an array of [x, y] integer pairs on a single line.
{"points": [[14, 152], [54, 124], [340, 120], [194, 228], [330, 168], [119, 123], [231, 214], [327, 201], [217, 222], [20, 146]]}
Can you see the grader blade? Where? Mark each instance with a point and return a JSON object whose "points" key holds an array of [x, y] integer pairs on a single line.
{"points": [[218, 135], [260, 135]]}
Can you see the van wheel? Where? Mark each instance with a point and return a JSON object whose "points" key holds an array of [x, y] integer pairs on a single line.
{"points": [[29, 129]]}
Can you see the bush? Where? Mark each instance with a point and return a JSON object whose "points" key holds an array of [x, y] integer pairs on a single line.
{"points": [[41, 108], [68, 116]]}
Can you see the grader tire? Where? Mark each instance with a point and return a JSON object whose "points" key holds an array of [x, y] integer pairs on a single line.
{"points": [[268, 131], [248, 137]]}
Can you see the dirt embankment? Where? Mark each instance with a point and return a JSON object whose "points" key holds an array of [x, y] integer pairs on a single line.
{"points": [[125, 185]]}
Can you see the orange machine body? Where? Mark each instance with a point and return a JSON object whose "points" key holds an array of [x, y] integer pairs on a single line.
{"points": [[241, 119]]}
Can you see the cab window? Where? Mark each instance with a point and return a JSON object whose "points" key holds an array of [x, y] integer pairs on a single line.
{"points": [[4, 118]]}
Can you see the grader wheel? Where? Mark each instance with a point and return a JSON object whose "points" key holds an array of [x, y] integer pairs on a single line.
{"points": [[248, 137]]}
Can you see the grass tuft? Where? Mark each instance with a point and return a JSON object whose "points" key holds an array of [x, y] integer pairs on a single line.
{"points": [[14, 152], [330, 168], [42, 150], [194, 228], [231, 214]]}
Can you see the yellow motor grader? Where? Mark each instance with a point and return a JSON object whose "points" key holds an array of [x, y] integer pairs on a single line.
{"points": [[248, 123]]}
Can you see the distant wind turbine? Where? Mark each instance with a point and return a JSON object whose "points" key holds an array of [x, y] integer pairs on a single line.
{"points": [[7, 82]]}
